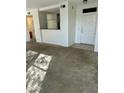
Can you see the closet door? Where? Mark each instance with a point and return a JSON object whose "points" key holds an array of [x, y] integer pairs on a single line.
{"points": [[88, 29]]}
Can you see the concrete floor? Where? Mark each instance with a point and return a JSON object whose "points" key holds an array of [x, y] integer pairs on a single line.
{"points": [[71, 70], [83, 46]]}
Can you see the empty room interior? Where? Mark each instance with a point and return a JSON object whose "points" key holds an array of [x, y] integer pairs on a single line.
{"points": [[61, 46]]}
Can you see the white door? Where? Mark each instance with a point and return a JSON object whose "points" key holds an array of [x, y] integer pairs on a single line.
{"points": [[88, 29]]}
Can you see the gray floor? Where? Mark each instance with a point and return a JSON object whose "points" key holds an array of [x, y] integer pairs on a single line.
{"points": [[83, 46], [71, 70]]}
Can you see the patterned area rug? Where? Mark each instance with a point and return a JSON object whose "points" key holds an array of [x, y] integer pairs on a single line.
{"points": [[37, 71], [30, 55]]}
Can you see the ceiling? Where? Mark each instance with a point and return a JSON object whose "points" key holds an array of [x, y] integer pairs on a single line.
{"points": [[43, 3], [53, 10]]}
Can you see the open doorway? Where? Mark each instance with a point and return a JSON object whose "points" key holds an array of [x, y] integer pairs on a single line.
{"points": [[30, 28]]}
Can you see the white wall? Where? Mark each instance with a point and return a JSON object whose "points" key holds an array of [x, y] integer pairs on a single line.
{"points": [[79, 19], [96, 40], [53, 37], [59, 37], [35, 14], [64, 23], [66, 35], [71, 24], [43, 20]]}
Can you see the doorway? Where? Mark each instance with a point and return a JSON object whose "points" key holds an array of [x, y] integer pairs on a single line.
{"points": [[30, 28], [88, 29]]}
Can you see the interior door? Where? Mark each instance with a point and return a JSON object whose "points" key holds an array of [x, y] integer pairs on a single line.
{"points": [[88, 29]]}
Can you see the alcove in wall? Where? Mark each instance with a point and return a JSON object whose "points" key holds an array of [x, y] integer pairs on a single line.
{"points": [[50, 19]]}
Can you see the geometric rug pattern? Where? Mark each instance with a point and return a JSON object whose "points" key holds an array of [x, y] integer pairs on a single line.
{"points": [[37, 71]]}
